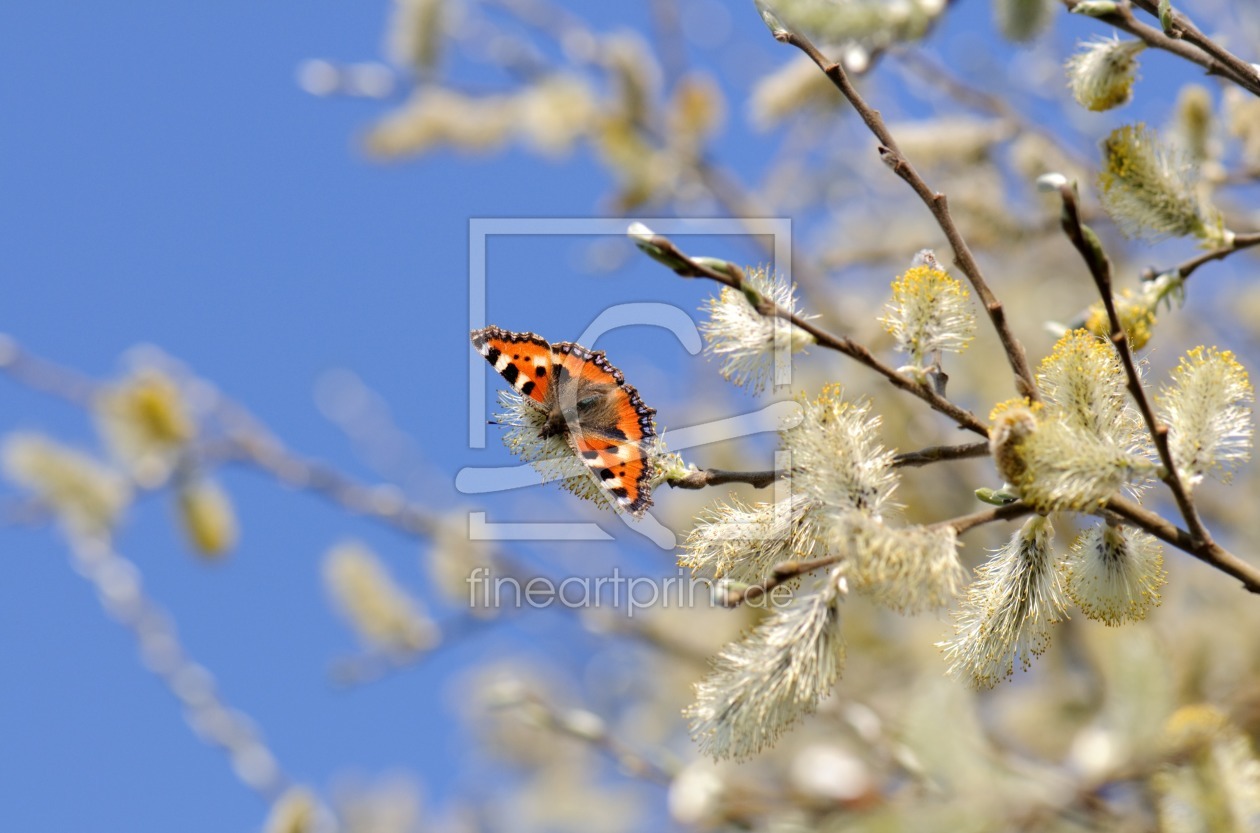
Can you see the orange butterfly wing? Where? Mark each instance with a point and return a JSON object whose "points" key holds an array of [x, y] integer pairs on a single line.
{"points": [[616, 454], [524, 359], [621, 467]]}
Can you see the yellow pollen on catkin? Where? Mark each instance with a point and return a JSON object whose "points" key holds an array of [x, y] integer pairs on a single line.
{"points": [[1137, 318], [1013, 421]]}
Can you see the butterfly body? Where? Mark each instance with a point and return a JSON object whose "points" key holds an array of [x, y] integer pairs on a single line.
{"points": [[587, 402]]}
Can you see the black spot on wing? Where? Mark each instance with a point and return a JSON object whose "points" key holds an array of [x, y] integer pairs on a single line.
{"points": [[620, 493], [613, 432], [590, 455], [527, 388], [606, 474], [492, 355], [510, 373], [540, 371]]}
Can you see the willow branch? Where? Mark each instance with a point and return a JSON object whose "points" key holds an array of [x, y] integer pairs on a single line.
{"points": [[781, 573], [1209, 552], [938, 453], [589, 728], [720, 477], [1124, 20], [1182, 28], [664, 251], [936, 203], [44, 376], [1100, 269], [966, 523], [1240, 242], [382, 502], [785, 571], [218, 724], [353, 671]]}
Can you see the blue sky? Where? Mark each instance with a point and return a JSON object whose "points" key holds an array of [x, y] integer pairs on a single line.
{"points": [[165, 181]]}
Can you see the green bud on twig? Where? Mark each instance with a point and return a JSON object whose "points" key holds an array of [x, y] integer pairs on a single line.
{"points": [[995, 497], [718, 265], [657, 248], [755, 298], [1166, 18], [1096, 8], [771, 19], [1097, 256]]}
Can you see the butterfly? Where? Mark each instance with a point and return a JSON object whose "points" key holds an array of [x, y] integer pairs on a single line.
{"points": [[587, 402]]}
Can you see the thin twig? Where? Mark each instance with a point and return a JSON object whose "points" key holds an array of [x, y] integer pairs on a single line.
{"points": [[45, 376], [935, 454], [383, 502], [1209, 552], [936, 203], [687, 267], [216, 722], [785, 571], [587, 727], [987, 516], [1186, 269], [664, 638], [1124, 20], [369, 667], [719, 477], [1100, 269], [780, 574], [1182, 28]]}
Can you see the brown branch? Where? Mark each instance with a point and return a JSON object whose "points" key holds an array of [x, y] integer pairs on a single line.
{"points": [[936, 203], [1240, 71], [1240, 242], [369, 667], [720, 477], [1209, 552], [589, 728], [663, 250], [935, 454], [1124, 20], [966, 523], [781, 573], [269, 456], [785, 571], [1100, 269]]}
